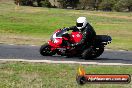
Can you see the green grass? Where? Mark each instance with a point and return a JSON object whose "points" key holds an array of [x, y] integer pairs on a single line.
{"points": [[42, 75], [42, 22]]}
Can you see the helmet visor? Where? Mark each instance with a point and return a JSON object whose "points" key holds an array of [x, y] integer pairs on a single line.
{"points": [[79, 24]]}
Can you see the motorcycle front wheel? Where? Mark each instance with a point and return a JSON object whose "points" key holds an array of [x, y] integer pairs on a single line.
{"points": [[45, 50]]}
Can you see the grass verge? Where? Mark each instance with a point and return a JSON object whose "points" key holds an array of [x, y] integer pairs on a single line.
{"points": [[44, 75]]}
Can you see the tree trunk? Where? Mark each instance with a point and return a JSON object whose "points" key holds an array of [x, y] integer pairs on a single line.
{"points": [[17, 2], [129, 8], [38, 2]]}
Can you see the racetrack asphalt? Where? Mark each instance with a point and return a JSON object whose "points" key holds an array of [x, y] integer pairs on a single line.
{"points": [[31, 54]]}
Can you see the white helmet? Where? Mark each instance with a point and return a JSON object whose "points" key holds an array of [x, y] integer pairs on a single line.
{"points": [[81, 22]]}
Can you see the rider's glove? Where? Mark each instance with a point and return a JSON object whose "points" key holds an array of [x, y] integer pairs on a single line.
{"points": [[68, 29]]}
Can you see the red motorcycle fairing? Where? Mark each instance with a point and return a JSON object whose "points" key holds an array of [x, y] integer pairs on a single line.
{"points": [[57, 43], [52, 44], [76, 37], [57, 40]]}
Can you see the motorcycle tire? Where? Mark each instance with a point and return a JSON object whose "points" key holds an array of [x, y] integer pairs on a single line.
{"points": [[98, 51], [88, 53], [45, 50]]}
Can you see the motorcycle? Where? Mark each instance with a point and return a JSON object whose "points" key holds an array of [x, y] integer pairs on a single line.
{"points": [[61, 40]]}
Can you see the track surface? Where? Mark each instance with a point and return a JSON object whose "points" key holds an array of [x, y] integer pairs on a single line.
{"points": [[31, 53]]}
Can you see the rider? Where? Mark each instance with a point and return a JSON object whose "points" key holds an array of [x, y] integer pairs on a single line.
{"points": [[86, 29]]}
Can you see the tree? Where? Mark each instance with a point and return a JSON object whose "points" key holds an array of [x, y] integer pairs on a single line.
{"points": [[24, 2], [39, 2], [63, 3], [73, 3], [45, 3], [123, 5], [66, 3], [107, 5], [17, 2], [96, 4], [84, 4], [90, 4]]}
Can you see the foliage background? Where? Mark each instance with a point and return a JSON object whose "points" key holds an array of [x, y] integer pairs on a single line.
{"points": [[105, 5]]}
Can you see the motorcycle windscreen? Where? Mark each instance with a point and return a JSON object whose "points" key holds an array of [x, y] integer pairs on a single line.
{"points": [[76, 37]]}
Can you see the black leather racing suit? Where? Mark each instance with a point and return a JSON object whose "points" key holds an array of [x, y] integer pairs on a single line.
{"points": [[88, 35]]}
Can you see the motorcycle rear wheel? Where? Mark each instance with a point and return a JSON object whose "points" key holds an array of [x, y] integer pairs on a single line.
{"points": [[98, 52], [91, 54], [45, 50]]}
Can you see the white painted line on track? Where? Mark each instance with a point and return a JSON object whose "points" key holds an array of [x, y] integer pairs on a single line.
{"points": [[32, 45], [122, 50], [115, 50], [65, 62], [108, 49], [11, 44]]}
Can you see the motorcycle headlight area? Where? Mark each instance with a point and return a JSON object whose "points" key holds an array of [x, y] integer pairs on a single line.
{"points": [[54, 38]]}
